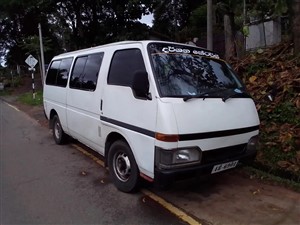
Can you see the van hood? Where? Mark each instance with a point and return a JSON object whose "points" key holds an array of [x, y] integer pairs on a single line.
{"points": [[212, 115]]}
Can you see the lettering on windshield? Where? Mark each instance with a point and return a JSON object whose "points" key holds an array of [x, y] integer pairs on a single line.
{"points": [[171, 49]]}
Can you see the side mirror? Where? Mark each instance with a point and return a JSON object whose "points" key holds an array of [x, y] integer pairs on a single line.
{"points": [[140, 85]]}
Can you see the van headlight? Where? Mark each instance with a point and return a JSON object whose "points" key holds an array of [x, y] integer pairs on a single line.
{"points": [[172, 158], [252, 144]]}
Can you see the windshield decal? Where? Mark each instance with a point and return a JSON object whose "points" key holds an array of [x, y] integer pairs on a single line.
{"points": [[171, 49], [208, 54]]}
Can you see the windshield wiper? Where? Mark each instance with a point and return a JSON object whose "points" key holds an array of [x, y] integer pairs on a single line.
{"points": [[203, 94], [236, 93]]}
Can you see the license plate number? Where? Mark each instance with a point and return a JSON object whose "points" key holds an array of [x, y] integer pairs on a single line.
{"points": [[224, 166]]}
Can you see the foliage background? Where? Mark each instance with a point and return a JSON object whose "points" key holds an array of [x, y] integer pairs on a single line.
{"points": [[272, 76]]}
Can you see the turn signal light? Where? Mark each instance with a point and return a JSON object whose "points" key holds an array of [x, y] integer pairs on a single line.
{"points": [[167, 137]]}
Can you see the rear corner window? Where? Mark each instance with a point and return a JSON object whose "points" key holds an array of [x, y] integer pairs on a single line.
{"points": [[52, 73], [58, 72]]}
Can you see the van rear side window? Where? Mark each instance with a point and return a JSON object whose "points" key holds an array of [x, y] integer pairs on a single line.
{"points": [[85, 72], [123, 66], [58, 72]]}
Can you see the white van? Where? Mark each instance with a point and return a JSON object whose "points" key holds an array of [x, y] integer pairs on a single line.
{"points": [[155, 110]]}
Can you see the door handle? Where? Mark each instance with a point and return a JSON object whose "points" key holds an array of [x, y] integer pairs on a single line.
{"points": [[101, 104]]}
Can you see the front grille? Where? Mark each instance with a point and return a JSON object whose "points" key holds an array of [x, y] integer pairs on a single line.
{"points": [[222, 154]]}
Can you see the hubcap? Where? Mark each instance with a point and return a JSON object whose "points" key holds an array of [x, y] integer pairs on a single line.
{"points": [[122, 166], [57, 130]]}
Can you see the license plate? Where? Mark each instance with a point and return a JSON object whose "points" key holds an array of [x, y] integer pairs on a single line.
{"points": [[224, 166]]}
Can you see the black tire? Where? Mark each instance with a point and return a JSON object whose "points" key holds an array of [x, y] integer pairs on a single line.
{"points": [[123, 169], [58, 134]]}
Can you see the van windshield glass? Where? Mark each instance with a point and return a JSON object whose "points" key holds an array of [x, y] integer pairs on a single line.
{"points": [[182, 71]]}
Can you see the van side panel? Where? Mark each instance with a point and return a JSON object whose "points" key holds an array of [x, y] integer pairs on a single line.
{"points": [[135, 119], [55, 98], [141, 146], [83, 100], [122, 112], [83, 117]]}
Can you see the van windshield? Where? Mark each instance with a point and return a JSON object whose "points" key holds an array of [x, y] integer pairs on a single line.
{"points": [[183, 71]]}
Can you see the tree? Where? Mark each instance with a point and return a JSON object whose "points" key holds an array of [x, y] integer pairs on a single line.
{"points": [[172, 16], [227, 10], [82, 24], [18, 20], [296, 25], [70, 25]]}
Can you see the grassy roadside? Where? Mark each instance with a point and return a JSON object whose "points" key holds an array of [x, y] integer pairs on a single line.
{"points": [[27, 98], [5, 92], [263, 176]]}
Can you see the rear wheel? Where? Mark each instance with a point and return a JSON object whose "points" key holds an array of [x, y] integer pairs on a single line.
{"points": [[58, 134], [122, 167]]}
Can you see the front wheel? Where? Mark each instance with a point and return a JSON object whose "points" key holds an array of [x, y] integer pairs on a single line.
{"points": [[58, 134], [122, 167]]}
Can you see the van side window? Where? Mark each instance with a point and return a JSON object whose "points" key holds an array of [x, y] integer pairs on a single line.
{"points": [[64, 68], [85, 72], [58, 72], [52, 73], [123, 66]]}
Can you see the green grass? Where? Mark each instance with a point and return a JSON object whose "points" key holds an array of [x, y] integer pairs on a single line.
{"points": [[27, 98], [5, 92]]}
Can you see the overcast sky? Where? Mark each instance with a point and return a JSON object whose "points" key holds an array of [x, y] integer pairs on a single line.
{"points": [[147, 20]]}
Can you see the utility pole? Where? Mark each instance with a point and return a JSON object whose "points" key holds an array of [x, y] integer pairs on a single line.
{"points": [[244, 24], [42, 53], [175, 19], [209, 26]]}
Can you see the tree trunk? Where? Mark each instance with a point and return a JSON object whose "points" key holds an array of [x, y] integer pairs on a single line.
{"points": [[229, 37], [209, 38], [296, 25]]}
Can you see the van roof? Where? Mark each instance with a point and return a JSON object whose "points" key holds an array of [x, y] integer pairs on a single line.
{"points": [[144, 42]]}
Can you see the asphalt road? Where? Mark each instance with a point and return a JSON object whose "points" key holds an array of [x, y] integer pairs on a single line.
{"points": [[43, 183]]}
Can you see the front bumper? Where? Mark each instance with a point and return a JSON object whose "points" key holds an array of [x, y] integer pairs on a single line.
{"points": [[170, 175]]}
